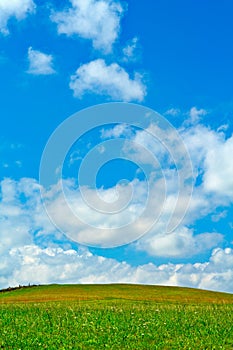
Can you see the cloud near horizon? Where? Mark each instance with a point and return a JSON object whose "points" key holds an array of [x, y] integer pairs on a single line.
{"points": [[32, 253], [30, 243], [35, 265]]}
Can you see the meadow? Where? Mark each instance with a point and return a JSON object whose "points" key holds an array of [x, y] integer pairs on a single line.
{"points": [[115, 317]]}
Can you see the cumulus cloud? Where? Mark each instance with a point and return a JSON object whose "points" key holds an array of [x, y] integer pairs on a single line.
{"points": [[40, 63], [95, 227], [211, 154], [97, 20], [109, 80], [21, 213], [218, 176], [14, 8], [180, 243], [32, 264], [123, 214], [207, 148], [25, 230], [25, 260], [103, 218]]}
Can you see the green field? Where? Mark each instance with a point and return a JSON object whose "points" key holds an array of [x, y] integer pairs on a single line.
{"points": [[115, 317]]}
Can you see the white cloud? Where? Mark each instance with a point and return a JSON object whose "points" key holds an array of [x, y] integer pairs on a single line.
{"points": [[110, 80], [195, 115], [223, 128], [123, 214], [130, 50], [215, 184], [23, 222], [110, 230], [21, 213], [211, 154], [208, 148], [218, 176], [40, 63], [173, 112], [32, 264], [180, 243], [116, 131], [14, 8], [104, 218], [97, 20], [23, 261]]}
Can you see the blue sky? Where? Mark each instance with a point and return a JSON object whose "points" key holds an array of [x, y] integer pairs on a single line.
{"points": [[60, 57]]}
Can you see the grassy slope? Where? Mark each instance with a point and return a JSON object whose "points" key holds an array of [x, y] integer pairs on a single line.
{"points": [[90, 292], [115, 316]]}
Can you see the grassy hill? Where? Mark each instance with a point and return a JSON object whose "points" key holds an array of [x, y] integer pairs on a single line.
{"points": [[55, 292], [115, 316]]}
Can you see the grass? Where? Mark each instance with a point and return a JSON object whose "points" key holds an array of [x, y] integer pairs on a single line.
{"points": [[115, 317]]}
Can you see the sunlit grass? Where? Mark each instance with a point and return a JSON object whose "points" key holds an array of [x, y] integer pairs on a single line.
{"points": [[116, 317]]}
